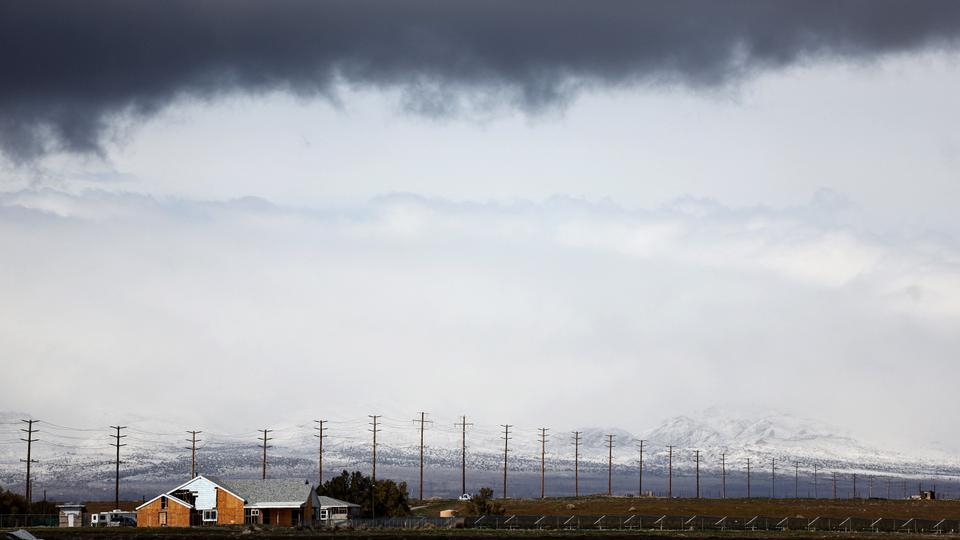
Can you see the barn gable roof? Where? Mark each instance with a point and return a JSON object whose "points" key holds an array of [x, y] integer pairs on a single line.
{"points": [[167, 495]]}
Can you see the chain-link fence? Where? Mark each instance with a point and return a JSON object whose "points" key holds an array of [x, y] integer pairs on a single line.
{"points": [[403, 523], [711, 523], [10, 521]]}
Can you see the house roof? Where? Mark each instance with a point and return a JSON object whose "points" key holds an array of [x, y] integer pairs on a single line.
{"points": [[96, 507], [167, 495], [326, 502], [219, 483], [270, 493]]}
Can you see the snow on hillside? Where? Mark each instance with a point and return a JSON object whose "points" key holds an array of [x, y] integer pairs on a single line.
{"points": [[80, 459]]}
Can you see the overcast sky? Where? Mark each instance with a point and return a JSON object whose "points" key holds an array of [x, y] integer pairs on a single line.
{"points": [[543, 213]]}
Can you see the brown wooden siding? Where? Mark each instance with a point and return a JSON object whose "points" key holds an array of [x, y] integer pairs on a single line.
{"points": [[280, 516], [229, 509], [177, 514]]}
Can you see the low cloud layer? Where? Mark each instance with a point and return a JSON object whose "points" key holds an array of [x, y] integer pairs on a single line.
{"points": [[640, 313], [70, 69]]}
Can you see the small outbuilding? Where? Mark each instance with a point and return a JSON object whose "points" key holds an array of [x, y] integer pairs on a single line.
{"points": [[71, 514], [334, 510]]}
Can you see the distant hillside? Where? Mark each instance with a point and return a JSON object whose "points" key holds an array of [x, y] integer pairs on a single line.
{"points": [[78, 462]]}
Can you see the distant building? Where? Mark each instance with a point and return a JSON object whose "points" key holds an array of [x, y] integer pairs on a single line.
{"points": [[71, 514], [334, 510], [927, 495], [205, 500]]}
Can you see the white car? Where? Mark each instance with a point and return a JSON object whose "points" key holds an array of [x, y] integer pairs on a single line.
{"points": [[465, 497]]}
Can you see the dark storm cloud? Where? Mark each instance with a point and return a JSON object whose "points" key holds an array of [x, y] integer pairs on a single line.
{"points": [[68, 67]]}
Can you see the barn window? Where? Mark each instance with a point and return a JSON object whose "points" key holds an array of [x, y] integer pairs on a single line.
{"points": [[210, 515], [163, 503]]}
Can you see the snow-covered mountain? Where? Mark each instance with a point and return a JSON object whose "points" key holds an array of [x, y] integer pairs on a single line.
{"points": [[78, 462]]}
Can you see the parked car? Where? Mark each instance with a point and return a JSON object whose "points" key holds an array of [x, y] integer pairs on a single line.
{"points": [[465, 497]]}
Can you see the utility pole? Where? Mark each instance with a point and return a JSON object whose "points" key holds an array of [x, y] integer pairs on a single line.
{"points": [[854, 485], [117, 445], [640, 486], [423, 422], [543, 458], [320, 435], [576, 462], [375, 419], [463, 463], [723, 475], [816, 490], [748, 478], [193, 440], [609, 465], [373, 475], [669, 471], [506, 449], [773, 478], [834, 484], [263, 460], [29, 440], [796, 480], [697, 460]]}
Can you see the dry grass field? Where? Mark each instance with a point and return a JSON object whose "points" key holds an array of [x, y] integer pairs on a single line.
{"points": [[840, 508]]}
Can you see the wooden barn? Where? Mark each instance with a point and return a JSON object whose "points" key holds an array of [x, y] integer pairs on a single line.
{"points": [[206, 500]]}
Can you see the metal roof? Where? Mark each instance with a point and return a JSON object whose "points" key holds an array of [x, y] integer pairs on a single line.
{"points": [[270, 492], [326, 502]]}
